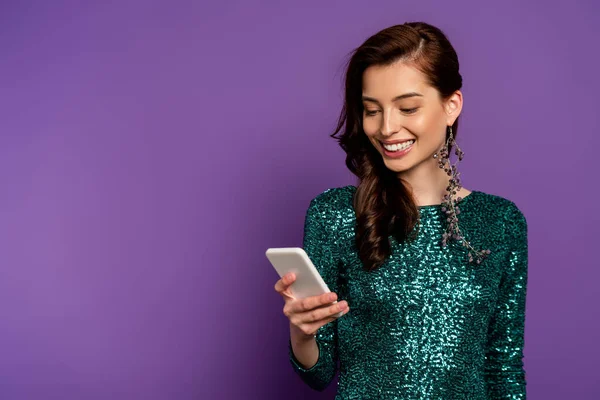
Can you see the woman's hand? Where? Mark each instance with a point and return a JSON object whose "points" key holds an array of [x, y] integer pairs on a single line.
{"points": [[309, 314]]}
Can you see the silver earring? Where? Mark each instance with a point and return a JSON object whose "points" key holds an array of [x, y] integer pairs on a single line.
{"points": [[447, 141], [451, 206]]}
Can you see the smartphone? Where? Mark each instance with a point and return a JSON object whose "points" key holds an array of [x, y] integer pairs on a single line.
{"points": [[294, 259]]}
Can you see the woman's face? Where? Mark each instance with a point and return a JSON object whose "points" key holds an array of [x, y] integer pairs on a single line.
{"points": [[399, 105]]}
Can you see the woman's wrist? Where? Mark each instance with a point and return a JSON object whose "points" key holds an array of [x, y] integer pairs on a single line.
{"points": [[298, 336]]}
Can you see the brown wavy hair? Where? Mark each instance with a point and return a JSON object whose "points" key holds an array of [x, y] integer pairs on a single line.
{"points": [[383, 204]]}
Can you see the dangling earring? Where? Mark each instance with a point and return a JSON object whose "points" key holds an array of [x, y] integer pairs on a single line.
{"points": [[444, 149], [449, 205]]}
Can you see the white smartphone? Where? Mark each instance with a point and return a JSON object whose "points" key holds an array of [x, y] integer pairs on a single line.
{"points": [[294, 259]]}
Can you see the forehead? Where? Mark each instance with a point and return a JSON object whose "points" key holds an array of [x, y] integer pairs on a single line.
{"points": [[387, 82]]}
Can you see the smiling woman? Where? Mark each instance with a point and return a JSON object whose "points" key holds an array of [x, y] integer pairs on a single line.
{"points": [[403, 96], [424, 314], [419, 112]]}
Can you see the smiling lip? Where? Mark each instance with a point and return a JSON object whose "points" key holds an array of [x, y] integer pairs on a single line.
{"points": [[397, 154], [394, 141]]}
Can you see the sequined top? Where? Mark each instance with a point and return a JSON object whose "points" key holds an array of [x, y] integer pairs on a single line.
{"points": [[427, 324]]}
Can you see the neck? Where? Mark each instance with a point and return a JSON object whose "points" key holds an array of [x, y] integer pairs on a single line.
{"points": [[427, 181]]}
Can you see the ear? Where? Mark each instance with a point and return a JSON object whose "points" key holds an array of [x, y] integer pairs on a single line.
{"points": [[453, 107]]}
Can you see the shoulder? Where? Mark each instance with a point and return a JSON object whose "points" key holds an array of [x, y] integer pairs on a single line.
{"points": [[333, 209], [505, 205], [334, 199], [504, 210]]}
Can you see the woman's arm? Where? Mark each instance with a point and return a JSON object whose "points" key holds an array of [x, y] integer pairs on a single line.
{"points": [[504, 371], [320, 353], [306, 351]]}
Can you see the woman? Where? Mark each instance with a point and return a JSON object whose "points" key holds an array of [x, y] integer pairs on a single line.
{"points": [[431, 276]]}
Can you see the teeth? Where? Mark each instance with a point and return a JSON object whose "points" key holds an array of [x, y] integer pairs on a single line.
{"points": [[396, 147]]}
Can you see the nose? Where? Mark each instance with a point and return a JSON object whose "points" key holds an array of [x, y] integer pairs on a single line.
{"points": [[390, 124]]}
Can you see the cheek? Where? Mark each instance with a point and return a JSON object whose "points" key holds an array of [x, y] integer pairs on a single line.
{"points": [[419, 124], [425, 127]]}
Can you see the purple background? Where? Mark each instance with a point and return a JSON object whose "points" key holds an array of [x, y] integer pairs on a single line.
{"points": [[150, 152]]}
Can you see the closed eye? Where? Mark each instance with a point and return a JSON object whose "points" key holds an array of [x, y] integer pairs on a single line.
{"points": [[371, 113]]}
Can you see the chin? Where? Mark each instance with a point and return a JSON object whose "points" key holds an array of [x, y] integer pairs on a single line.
{"points": [[397, 165]]}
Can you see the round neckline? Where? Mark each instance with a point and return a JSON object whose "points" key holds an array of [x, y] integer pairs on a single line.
{"points": [[462, 201], [439, 206]]}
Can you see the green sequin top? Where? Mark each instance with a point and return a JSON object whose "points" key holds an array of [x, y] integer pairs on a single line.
{"points": [[427, 324]]}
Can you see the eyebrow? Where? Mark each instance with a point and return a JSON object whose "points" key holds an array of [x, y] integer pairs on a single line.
{"points": [[402, 96]]}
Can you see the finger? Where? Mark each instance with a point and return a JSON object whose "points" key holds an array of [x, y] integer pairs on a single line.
{"points": [[314, 326], [318, 314], [285, 282], [312, 302]]}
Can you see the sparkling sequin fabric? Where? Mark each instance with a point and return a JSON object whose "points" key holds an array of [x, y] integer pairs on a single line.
{"points": [[428, 324]]}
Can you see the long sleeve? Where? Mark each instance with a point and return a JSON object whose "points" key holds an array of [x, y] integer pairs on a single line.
{"points": [[504, 371], [321, 251]]}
